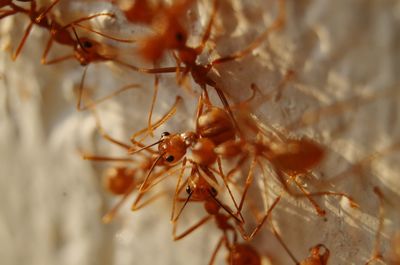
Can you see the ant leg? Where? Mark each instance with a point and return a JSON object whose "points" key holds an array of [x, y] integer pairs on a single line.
{"points": [[54, 61], [207, 32], [162, 70], [278, 23], [22, 42], [165, 173], [93, 103], [239, 212], [177, 190], [153, 101], [160, 122], [46, 11], [105, 135], [146, 180], [260, 224], [306, 194], [249, 181], [190, 229], [376, 254], [217, 248], [99, 32], [283, 244], [107, 218], [6, 13]]}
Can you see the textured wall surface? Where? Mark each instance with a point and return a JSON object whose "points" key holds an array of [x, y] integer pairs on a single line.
{"points": [[345, 54]]}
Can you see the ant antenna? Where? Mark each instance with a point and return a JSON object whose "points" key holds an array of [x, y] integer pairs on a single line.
{"points": [[131, 151]]}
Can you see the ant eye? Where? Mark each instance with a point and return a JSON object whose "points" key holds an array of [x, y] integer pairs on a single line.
{"points": [[164, 134], [170, 158], [213, 191], [87, 44], [180, 37], [188, 190]]}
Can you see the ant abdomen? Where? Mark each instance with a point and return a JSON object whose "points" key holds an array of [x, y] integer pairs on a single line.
{"points": [[296, 155], [119, 180], [216, 125], [243, 254]]}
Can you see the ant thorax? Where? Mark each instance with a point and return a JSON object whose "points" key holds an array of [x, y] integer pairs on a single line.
{"points": [[216, 125]]}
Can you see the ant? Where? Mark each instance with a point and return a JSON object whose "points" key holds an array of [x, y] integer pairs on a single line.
{"points": [[174, 37], [200, 190], [85, 50], [123, 180], [58, 32], [213, 127], [290, 158]]}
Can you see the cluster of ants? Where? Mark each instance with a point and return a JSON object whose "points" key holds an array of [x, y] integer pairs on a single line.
{"points": [[225, 133]]}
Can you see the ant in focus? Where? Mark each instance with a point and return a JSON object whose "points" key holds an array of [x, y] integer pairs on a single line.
{"points": [[124, 180]]}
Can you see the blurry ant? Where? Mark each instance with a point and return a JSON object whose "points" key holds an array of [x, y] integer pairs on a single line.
{"points": [[174, 37], [60, 33], [123, 180], [290, 158]]}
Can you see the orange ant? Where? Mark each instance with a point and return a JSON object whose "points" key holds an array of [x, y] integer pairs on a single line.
{"points": [[289, 157], [86, 50], [174, 37], [213, 127], [200, 190], [123, 180]]}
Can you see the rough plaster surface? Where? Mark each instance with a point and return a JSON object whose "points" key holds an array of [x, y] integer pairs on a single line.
{"points": [[341, 51]]}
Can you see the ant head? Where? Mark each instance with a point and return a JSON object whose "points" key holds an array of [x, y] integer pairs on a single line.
{"points": [[172, 147]]}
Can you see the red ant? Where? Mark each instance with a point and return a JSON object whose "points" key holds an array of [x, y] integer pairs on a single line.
{"points": [[199, 190], [86, 50], [174, 37], [39, 17], [212, 128], [289, 157]]}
